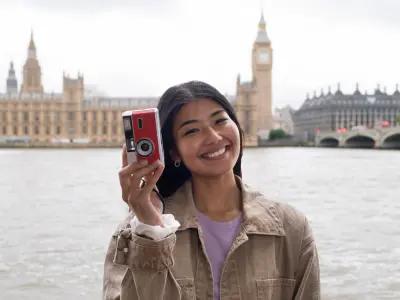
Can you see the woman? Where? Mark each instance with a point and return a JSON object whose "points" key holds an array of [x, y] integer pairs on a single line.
{"points": [[217, 238]]}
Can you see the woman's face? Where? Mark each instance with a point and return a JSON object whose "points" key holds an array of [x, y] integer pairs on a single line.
{"points": [[206, 138]]}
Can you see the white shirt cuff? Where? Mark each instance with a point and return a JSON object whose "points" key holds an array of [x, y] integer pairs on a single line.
{"points": [[156, 232]]}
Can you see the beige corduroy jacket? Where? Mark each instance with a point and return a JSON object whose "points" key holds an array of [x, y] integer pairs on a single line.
{"points": [[273, 257]]}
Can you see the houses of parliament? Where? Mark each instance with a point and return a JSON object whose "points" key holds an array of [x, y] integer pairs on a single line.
{"points": [[29, 115]]}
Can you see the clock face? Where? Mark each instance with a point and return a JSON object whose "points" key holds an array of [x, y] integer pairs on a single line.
{"points": [[263, 57]]}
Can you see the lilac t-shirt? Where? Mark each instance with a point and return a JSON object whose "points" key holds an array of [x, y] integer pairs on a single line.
{"points": [[218, 238]]}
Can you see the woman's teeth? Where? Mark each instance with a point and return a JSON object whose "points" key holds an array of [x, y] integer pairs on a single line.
{"points": [[214, 154]]}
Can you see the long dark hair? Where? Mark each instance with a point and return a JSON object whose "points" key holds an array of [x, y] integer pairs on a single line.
{"points": [[170, 103]]}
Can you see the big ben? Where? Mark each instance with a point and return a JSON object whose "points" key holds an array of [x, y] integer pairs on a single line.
{"points": [[254, 98], [262, 77]]}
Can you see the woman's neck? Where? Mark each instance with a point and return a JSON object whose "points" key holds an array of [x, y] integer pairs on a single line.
{"points": [[218, 197]]}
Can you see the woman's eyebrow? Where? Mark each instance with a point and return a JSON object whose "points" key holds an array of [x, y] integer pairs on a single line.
{"points": [[194, 121], [217, 112], [186, 123]]}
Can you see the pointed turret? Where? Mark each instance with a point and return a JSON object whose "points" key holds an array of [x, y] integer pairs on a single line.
{"points": [[12, 83], [32, 48], [357, 91], [378, 91], [338, 91], [262, 36], [396, 92]]}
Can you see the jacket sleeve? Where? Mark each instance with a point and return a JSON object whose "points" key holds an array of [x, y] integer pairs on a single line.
{"points": [[137, 267], [307, 274], [113, 273]]}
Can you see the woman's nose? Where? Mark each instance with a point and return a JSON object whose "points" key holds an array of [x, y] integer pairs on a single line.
{"points": [[212, 136]]}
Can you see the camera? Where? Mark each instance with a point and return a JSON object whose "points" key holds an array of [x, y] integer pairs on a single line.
{"points": [[143, 135]]}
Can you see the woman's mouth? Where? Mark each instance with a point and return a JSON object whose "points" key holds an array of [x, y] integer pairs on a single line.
{"points": [[215, 154]]}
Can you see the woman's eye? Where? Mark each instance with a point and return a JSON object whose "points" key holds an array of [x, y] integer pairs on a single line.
{"points": [[190, 131], [222, 120]]}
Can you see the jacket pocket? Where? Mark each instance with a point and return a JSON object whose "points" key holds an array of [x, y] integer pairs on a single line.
{"points": [[187, 288], [275, 288]]}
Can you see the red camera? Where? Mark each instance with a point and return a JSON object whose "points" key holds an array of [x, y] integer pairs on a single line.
{"points": [[143, 135]]}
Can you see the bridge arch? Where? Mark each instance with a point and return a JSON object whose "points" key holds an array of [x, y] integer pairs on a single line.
{"points": [[329, 141], [360, 141], [391, 141]]}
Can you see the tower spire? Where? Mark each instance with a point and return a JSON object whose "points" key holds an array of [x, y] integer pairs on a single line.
{"points": [[12, 83], [261, 23], [32, 47], [262, 36]]}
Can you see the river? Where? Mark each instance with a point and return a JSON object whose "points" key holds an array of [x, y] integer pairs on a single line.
{"points": [[58, 209]]}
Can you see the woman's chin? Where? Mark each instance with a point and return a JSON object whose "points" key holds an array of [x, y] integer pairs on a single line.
{"points": [[216, 171]]}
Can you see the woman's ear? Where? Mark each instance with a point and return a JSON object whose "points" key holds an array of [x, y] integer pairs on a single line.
{"points": [[174, 155]]}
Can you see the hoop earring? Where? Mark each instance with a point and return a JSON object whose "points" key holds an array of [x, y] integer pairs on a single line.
{"points": [[177, 163]]}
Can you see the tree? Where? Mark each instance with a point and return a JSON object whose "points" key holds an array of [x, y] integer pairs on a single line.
{"points": [[398, 120], [276, 134]]}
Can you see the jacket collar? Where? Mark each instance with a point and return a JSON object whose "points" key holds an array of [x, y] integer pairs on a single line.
{"points": [[260, 215]]}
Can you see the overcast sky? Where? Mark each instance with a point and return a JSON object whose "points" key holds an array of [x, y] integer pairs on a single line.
{"points": [[141, 47]]}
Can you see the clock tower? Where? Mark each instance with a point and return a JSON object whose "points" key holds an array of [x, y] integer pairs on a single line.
{"points": [[262, 79], [32, 74], [253, 102]]}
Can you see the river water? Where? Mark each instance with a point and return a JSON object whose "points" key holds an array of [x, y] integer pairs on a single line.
{"points": [[58, 209]]}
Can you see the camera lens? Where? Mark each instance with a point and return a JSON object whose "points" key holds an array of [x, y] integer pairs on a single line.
{"points": [[144, 147]]}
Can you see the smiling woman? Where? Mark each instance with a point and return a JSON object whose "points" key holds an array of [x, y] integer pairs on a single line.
{"points": [[218, 238]]}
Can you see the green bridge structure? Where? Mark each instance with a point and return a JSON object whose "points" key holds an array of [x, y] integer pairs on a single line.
{"points": [[380, 138]]}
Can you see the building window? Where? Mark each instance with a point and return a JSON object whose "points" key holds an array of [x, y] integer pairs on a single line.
{"points": [[47, 130], [37, 117], [71, 116], [84, 116], [84, 130], [36, 129], [247, 121], [104, 116], [26, 116], [14, 116], [58, 130], [46, 118], [114, 115], [94, 129], [15, 130], [94, 116], [26, 130], [114, 130], [4, 130], [104, 129]]}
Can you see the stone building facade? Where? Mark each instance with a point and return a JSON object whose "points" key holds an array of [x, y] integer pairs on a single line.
{"points": [[341, 112], [283, 119], [30, 115], [253, 102]]}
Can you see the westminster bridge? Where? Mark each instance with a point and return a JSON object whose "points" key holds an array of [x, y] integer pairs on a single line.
{"points": [[385, 138]]}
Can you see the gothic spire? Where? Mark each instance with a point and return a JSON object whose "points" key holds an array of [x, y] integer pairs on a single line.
{"points": [[32, 48], [12, 83], [262, 36]]}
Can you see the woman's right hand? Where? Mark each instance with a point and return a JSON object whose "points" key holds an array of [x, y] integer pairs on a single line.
{"points": [[143, 201]]}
